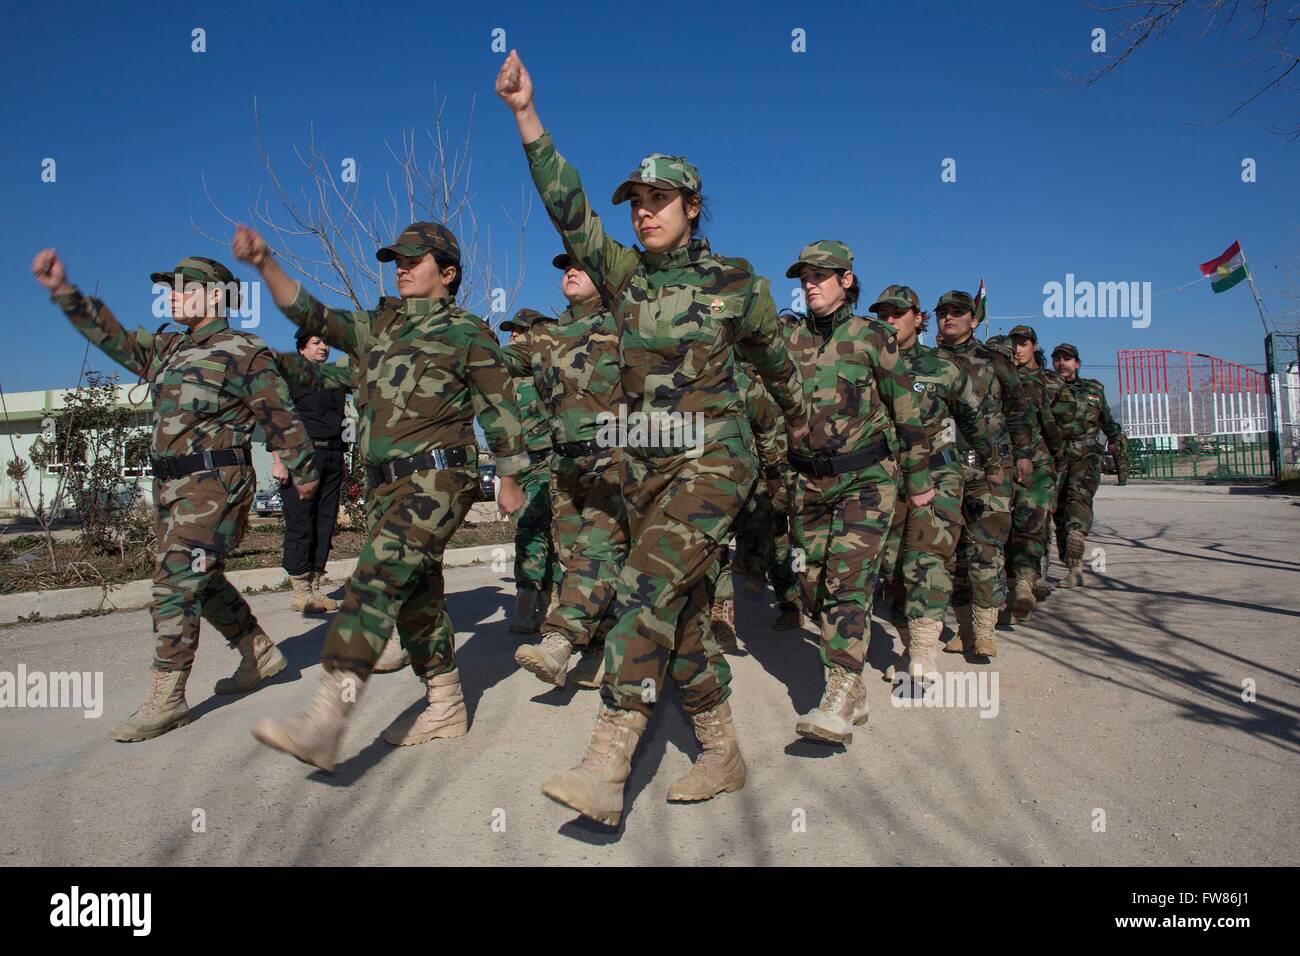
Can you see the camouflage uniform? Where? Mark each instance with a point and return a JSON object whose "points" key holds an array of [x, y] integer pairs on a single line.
{"points": [[917, 566], [980, 581], [534, 551], [763, 531], [679, 314], [573, 362], [860, 402], [1035, 499], [425, 369], [209, 387], [1083, 414]]}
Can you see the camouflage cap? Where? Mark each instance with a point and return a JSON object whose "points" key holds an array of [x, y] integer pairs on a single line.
{"points": [[900, 296], [1065, 348], [958, 298], [195, 269], [664, 172], [1002, 343], [522, 320], [419, 238], [563, 261], [824, 254], [1024, 332]]}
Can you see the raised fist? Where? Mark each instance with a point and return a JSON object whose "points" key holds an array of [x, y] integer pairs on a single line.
{"points": [[49, 270], [514, 85], [248, 246]]}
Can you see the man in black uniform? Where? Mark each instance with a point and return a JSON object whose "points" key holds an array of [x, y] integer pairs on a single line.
{"points": [[309, 523]]}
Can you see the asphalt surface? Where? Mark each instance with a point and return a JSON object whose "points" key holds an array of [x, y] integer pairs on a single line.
{"points": [[1121, 736]]}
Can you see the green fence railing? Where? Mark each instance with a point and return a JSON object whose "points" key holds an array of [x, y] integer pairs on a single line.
{"points": [[1209, 457]]}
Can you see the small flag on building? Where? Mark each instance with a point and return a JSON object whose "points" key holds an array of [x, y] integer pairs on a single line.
{"points": [[1227, 270], [981, 303]]}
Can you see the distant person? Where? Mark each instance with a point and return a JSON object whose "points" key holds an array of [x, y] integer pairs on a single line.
{"points": [[309, 523]]}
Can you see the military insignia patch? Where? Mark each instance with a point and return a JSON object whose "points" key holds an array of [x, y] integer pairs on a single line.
{"points": [[716, 306], [918, 387]]}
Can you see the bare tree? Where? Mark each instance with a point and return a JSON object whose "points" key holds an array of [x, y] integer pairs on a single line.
{"points": [[322, 226], [1265, 25]]}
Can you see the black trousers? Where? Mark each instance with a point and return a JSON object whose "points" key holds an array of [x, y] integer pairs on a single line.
{"points": [[309, 525]]}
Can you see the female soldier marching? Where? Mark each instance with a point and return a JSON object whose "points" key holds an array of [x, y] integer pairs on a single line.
{"points": [[680, 311]]}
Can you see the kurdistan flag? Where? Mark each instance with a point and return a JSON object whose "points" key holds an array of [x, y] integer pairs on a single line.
{"points": [[1227, 270], [981, 303]]}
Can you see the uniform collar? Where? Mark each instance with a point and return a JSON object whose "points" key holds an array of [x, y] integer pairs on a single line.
{"points": [[967, 346], [693, 251], [581, 310], [838, 318], [209, 328], [416, 309]]}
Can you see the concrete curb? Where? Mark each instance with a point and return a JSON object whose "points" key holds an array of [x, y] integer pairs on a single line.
{"points": [[133, 595]]}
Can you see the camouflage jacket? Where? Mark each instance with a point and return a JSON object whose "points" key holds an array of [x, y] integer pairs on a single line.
{"points": [[425, 369], [857, 391], [948, 403], [1041, 387], [532, 415], [1083, 414], [209, 387], [573, 362], [767, 424], [679, 313], [994, 376]]}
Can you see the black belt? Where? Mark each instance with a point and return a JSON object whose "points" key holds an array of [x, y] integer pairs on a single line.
{"points": [[944, 456], [168, 469], [438, 459], [327, 444], [821, 466], [540, 454], [579, 449]]}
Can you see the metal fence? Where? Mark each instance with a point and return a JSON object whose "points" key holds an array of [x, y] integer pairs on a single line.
{"points": [[1283, 352]]}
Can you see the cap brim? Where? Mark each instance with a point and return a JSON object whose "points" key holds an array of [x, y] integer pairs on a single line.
{"points": [[563, 261], [389, 253], [896, 303], [624, 191]]}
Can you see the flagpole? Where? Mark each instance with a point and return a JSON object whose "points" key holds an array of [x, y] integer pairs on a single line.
{"points": [[1253, 291]]}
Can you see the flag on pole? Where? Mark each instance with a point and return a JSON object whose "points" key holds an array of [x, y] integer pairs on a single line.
{"points": [[1227, 270], [980, 303]]}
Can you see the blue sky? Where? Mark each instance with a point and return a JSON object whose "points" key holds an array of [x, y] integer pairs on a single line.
{"points": [[843, 141]]}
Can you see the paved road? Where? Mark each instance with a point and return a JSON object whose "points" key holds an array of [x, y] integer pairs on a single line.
{"points": [[1125, 697]]}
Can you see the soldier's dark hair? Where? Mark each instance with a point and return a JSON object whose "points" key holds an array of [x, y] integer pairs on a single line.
{"points": [[925, 321], [302, 338], [852, 293], [1040, 358], [705, 214], [443, 261]]}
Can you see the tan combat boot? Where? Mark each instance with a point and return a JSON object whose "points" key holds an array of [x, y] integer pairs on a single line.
{"points": [[259, 661], [587, 672], [324, 601], [524, 620], [547, 661], [1043, 590], [983, 622], [925, 645], [1074, 542], [1023, 598], [843, 707], [163, 710], [791, 619], [720, 767], [724, 624], [303, 599], [963, 642], [445, 715], [904, 635], [314, 737], [393, 657], [595, 787]]}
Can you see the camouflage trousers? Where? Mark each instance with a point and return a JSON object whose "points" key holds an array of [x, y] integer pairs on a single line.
{"points": [[980, 578], [199, 519], [680, 513], [534, 551], [920, 551], [1080, 476], [398, 580], [763, 544], [1031, 510], [590, 531], [840, 523]]}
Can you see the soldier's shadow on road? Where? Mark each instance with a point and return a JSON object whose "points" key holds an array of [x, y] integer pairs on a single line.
{"points": [[668, 724], [301, 651]]}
